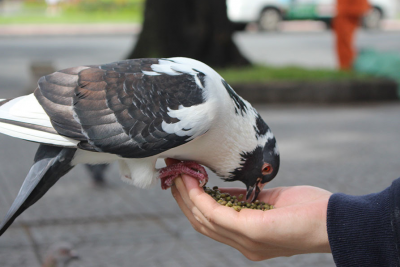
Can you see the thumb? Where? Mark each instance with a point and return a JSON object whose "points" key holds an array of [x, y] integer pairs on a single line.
{"points": [[190, 182]]}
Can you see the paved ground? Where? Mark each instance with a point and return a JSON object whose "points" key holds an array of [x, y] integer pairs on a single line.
{"points": [[351, 149]]}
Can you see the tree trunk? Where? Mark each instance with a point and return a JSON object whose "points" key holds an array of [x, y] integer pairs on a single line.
{"points": [[198, 29]]}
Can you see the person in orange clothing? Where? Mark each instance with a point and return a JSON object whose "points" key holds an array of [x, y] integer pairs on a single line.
{"points": [[347, 20]]}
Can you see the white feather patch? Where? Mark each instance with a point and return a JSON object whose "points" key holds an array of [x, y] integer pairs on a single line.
{"points": [[139, 172], [172, 68], [25, 109], [164, 69], [276, 149], [36, 136], [150, 73], [265, 138], [193, 121]]}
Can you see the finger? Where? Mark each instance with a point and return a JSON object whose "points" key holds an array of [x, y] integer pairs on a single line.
{"points": [[201, 218], [190, 207], [206, 226], [236, 225], [242, 233], [202, 225], [207, 206], [182, 205], [180, 186], [222, 239], [202, 228]]}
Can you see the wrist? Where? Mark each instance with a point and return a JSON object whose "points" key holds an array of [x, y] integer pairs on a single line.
{"points": [[322, 240]]}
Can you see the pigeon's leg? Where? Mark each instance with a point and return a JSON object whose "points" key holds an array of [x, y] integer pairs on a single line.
{"points": [[50, 164], [169, 173]]}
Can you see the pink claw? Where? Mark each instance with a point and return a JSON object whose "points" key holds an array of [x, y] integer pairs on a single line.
{"points": [[169, 173]]}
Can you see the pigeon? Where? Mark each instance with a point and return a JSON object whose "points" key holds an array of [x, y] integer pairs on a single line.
{"points": [[134, 112], [60, 254]]}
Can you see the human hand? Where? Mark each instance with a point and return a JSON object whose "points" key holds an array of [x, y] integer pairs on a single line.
{"points": [[296, 226]]}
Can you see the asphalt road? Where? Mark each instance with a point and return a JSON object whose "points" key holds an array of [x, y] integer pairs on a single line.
{"points": [[351, 149], [308, 49]]}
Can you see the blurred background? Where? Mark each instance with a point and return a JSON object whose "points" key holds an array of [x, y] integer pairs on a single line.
{"points": [[337, 126]]}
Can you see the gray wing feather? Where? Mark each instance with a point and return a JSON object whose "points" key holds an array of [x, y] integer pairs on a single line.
{"points": [[116, 108]]}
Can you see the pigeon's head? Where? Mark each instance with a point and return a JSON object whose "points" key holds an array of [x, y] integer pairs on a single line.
{"points": [[261, 164]]}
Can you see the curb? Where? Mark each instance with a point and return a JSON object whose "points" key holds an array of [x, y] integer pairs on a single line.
{"points": [[135, 28], [319, 92], [69, 29]]}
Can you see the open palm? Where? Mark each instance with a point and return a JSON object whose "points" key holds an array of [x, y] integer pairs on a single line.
{"points": [[296, 226]]}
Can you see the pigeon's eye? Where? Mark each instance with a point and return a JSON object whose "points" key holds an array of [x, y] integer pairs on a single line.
{"points": [[266, 169]]}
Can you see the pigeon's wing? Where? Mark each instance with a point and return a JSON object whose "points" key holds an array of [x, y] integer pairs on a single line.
{"points": [[132, 108]]}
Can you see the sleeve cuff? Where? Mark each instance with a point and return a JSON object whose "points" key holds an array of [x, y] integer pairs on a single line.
{"points": [[362, 229]]}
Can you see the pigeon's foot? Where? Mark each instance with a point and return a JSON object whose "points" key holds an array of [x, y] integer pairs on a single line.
{"points": [[169, 173]]}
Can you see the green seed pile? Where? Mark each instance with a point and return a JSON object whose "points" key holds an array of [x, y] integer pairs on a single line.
{"points": [[237, 203]]}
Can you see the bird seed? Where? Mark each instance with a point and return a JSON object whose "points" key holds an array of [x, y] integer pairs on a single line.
{"points": [[225, 199]]}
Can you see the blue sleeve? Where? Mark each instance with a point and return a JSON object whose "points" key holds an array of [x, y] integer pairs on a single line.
{"points": [[364, 230]]}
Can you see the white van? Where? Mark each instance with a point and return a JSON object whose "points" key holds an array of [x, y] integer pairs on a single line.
{"points": [[268, 13], [325, 10]]}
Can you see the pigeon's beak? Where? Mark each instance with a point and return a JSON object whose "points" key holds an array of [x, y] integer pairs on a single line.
{"points": [[253, 191]]}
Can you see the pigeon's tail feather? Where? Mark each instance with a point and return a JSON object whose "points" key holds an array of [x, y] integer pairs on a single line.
{"points": [[24, 118], [51, 163]]}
